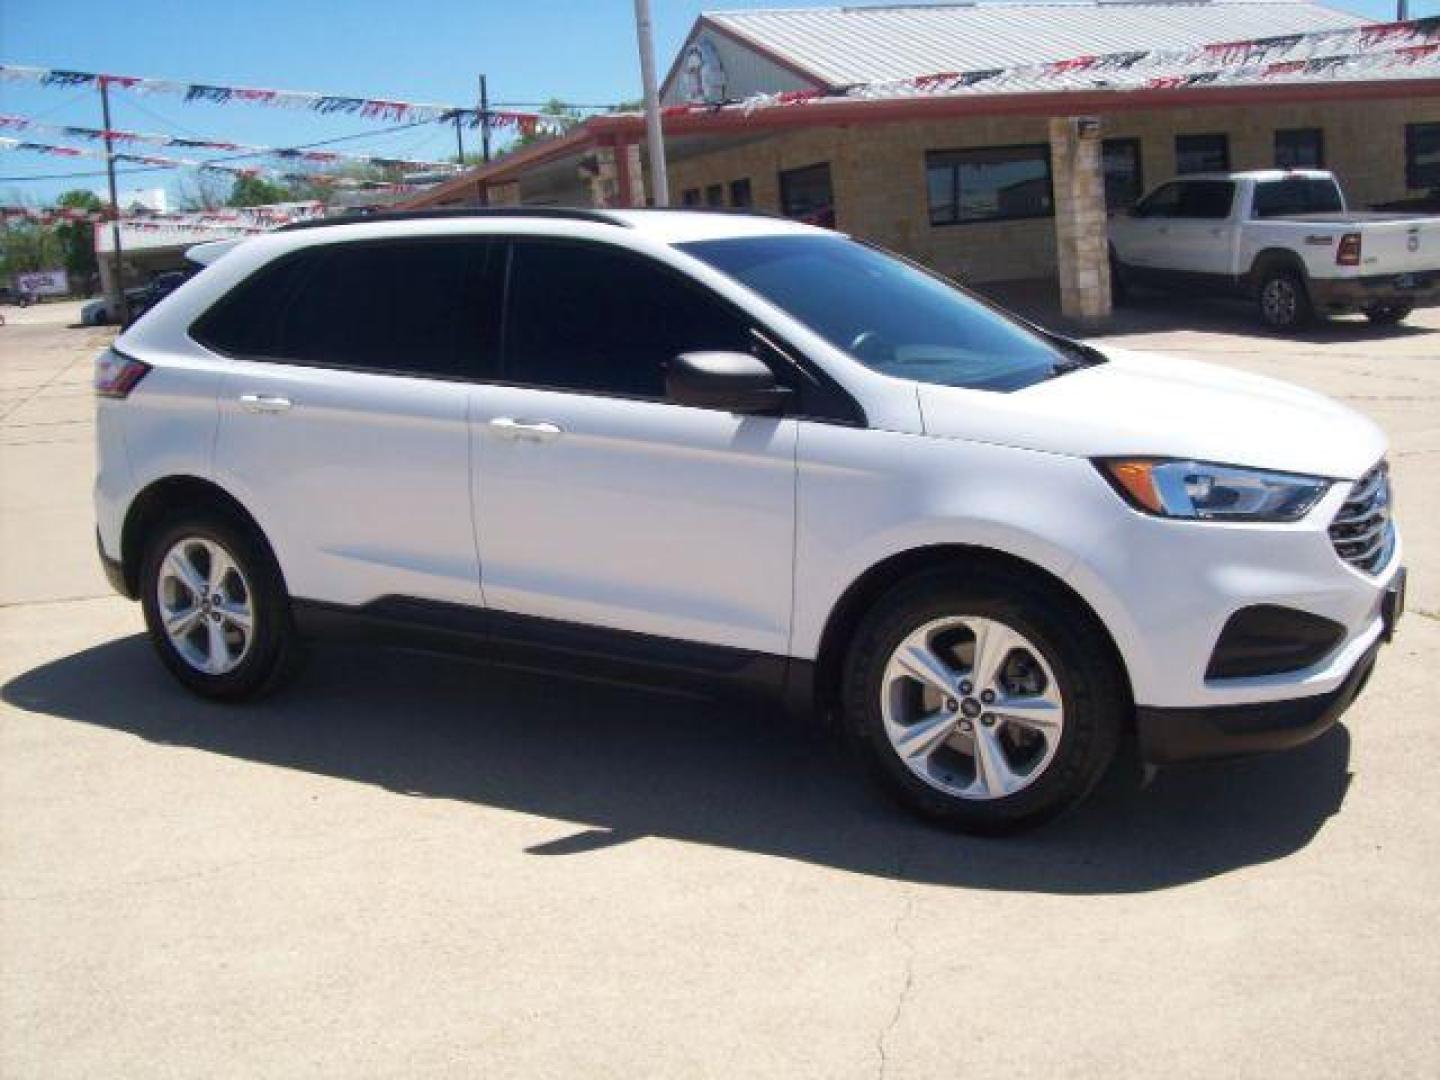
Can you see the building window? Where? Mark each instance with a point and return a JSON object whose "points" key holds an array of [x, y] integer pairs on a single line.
{"points": [[690, 197], [1422, 155], [740, 193], [806, 195], [1124, 180], [1300, 148], [1202, 153], [996, 183], [715, 195]]}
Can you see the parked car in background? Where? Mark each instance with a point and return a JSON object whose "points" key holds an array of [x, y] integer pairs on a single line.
{"points": [[160, 286], [9, 294], [1284, 240], [736, 451]]}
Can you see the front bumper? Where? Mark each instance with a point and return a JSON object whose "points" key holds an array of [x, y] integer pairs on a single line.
{"points": [[1168, 736], [1356, 294]]}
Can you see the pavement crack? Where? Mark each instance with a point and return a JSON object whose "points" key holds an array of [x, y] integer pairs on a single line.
{"points": [[898, 931]]}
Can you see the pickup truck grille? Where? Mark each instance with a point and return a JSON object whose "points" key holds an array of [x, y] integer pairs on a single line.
{"points": [[1362, 531]]}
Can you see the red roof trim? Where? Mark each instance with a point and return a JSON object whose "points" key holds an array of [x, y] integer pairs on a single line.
{"points": [[630, 127]]}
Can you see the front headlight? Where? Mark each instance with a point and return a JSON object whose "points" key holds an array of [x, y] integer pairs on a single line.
{"points": [[1206, 492]]}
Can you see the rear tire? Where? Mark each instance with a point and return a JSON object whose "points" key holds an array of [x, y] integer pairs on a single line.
{"points": [[1283, 301], [1389, 314], [952, 744], [216, 607]]}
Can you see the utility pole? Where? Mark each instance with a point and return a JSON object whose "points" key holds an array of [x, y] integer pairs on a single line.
{"points": [[1402, 10], [114, 201], [484, 120], [459, 143], [655, 138]]}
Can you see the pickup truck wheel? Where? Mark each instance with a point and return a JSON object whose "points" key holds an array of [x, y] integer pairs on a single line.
{"points": [[980, 701], [216, 607], [1389, 314], [1283, 300]]}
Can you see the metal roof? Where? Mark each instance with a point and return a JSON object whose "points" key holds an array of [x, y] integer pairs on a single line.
{"points": [[845, 45]]}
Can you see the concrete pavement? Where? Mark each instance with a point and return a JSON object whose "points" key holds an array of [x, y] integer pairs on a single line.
{"points": [[408, 866]]}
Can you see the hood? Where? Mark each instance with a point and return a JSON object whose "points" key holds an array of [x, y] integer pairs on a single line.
{"points": [[1158, 406]]}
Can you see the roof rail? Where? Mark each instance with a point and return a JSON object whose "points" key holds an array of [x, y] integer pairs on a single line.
{"points": [[565, 212]]}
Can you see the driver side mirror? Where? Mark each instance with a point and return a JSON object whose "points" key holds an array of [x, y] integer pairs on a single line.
{"points": [[730, 381]]}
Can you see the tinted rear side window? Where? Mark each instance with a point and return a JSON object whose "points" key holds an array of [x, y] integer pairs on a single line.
{"points": [[413, 307], [596, 318], [1296, 195]]}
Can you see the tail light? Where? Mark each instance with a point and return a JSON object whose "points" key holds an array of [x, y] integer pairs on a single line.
{"points": [[1348, 253], [117, 374]]}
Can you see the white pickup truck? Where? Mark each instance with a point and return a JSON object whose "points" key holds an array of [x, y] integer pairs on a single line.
{"points": [[1281, 238]]}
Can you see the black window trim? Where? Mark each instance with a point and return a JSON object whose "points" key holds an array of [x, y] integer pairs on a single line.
{"points": [[1413, 181], [1129, 141], [784, 175], [1317, 132], [1223, 136], [848, 411], [1044, 149], [472, 367], [767, 337]]}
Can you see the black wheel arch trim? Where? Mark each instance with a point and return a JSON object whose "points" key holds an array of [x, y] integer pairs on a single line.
{"points": [[155, 502], [867, 589]]}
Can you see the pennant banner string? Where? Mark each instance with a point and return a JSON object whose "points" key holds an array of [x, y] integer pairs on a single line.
{"points": [[326, 104], [11, 122], [156, 161]]}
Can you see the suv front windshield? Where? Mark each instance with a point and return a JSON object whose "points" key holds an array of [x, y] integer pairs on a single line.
{"points": [[889, 315]]}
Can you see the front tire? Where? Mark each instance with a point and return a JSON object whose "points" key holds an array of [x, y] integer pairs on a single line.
{"points": [[216, 607], [1283, 301], [1389, 314], [982, 701]]}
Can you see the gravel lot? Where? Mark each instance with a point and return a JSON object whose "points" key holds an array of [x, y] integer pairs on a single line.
{"points": [[408, 866]]}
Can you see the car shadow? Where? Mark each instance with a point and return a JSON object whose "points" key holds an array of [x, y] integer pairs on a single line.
{"points": [[621, 764]]}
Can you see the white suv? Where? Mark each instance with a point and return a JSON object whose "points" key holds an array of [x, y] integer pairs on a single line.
{"points": [[753, 454]]}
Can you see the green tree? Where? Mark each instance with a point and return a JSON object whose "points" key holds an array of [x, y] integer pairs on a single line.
{"points": [[28, 245], [77, 239], [257, 191]]}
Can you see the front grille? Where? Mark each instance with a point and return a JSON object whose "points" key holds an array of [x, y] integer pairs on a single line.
{"points": [[1362, 531]]}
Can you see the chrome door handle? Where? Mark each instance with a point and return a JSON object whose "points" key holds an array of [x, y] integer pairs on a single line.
{"points": [[264, 403], [525, 429]]}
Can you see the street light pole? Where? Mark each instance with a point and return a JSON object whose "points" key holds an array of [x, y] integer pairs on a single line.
{"points": [[114, 200], [654, 137], [484, 120]]}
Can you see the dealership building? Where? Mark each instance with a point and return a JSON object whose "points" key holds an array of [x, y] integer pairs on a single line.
{"points": [[990, 140]]}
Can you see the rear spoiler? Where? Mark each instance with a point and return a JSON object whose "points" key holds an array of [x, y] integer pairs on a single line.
{"points": [[206, 253]]}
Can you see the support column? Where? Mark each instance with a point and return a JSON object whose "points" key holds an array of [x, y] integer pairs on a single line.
{"points": [[1081, 237]]}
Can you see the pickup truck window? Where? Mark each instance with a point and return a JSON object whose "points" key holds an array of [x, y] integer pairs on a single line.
{"points": [[1296, 195], [1202, 199]]}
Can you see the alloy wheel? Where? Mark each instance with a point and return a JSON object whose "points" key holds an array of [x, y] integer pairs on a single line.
{"points": [[972, 707], [1279, 301], [206, 605]]}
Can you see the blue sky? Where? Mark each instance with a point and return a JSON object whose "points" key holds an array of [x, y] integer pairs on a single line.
{"points": [[431, 50]]}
